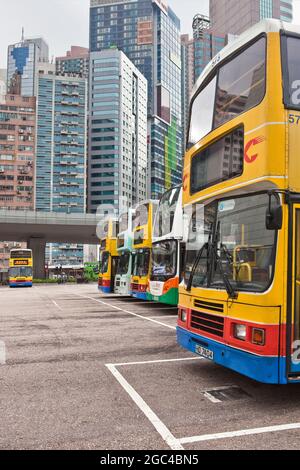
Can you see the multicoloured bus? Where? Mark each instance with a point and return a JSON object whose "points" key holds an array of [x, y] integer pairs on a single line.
{"points": [[108, 256], [124, 247], [20, 268], [239, 303], [168, 248], [142, 224]]}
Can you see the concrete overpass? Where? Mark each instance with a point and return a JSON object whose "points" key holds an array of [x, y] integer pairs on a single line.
{"points": [[39, 228]]}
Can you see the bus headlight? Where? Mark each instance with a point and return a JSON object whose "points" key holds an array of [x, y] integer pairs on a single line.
{"points": [[240, 332], [258, 336], [183, 316]]}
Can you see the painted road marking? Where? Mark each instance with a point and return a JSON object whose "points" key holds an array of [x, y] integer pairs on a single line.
{"points": [[56, 305], [159, 361], [160, 427], [127, 311], [241, 433]]}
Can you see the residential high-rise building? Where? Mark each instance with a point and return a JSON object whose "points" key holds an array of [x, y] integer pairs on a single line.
{"points": [[74, 63], [22, 65], [118, 132], [61, 154], [17, 144], [17, 150], [148, 32], [231, 16]]}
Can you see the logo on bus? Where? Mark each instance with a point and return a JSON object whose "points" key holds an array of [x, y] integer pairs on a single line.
{"points": [[21, 262], [184, 187], [252, 143]]}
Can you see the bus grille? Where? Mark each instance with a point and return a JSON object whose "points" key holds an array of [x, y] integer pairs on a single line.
{"points": [[118, 283], [209, 306], [209, 323]]}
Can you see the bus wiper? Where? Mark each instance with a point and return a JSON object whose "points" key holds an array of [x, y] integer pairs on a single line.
{"points": [[228, 286], [195, 265]]}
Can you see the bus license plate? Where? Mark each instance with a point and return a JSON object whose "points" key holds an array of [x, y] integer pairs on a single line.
{"points": [[204, 352]]}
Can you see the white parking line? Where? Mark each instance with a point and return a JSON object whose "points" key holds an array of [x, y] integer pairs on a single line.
{"points": [[160, 427], [241, 433], [159, 361], [56, 305], [127, 311]]}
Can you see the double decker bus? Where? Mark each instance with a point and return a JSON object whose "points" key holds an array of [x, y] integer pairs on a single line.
{"points": [[239, 303], [108, 256], [142, 224], [124, 247], [20, 268], [168, 248]]}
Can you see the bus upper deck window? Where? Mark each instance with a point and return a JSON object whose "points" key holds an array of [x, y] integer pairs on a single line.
{"points": [[292, 72], [241, 83], [202, 113]]}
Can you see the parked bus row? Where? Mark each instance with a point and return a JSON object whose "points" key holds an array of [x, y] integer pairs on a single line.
{"points": [[239, 280], [142, 253]]}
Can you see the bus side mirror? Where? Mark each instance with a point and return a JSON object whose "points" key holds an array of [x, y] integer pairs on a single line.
{"points": [[274, 216]]}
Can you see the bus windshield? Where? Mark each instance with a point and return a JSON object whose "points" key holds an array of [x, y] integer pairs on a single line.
{"points": [[104, 262], [164, 220], [22, 271], [123, 264], [141, 263], [233, 241], [15, 254], [164, 259]]}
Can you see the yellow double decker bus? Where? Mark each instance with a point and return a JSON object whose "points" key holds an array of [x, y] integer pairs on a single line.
{"points": [[239, 304], [142, 224], [108, 256], [20, 268]]}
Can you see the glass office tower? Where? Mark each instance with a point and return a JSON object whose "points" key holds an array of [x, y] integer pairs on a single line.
{"points": [[118, 160], [23, 60], [230, 16], [148, 32]]}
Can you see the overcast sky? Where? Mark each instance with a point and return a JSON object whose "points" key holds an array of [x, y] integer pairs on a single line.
{"points": [[63, 23]]}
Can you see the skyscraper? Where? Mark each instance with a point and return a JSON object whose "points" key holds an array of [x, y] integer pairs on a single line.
{"points": [[232, 16], [196, 54], [118, 132], [17, 161], [61, 154], [75, 62], [188, 78], [148, 32], [22, 65], [17, 145]]}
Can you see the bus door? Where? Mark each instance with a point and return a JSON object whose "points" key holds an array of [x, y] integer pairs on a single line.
{"points": [[293, 326], [114, 270]]}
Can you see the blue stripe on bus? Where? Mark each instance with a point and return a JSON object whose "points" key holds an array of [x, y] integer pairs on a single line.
{"points": [[20, 284], [271, 370], [105, 290], [139, 295]]}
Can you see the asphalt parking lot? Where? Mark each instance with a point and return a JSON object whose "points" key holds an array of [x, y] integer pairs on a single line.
{"points": [[84, 371]]}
